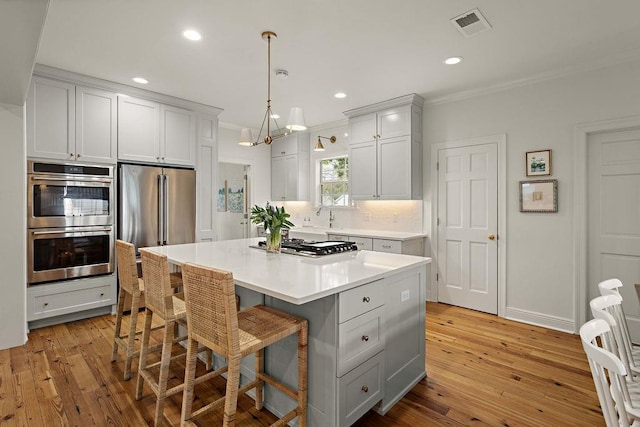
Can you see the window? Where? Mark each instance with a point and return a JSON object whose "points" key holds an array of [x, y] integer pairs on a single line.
{"points": [[334, 182]]}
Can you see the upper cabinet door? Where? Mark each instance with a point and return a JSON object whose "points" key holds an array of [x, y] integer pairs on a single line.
{"points": [[363, 128], [138, 130], [278, 179], [177, 136], [362, 171], [394, 122], [394, 176], [96, 138], [51, 119]]}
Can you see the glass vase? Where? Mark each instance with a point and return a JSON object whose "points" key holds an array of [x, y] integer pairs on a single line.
{"points": [[273, 241]]}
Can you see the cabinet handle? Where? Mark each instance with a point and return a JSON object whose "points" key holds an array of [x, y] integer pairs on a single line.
{"points": [[101, 294], [374, 196], [78, 155], [71, 154], [365, 389], [378, 136], [365, 338], [366, 299], [375, 136], [283, 152], [46, 304], [157, 158], [386, 246], [163, 159]]}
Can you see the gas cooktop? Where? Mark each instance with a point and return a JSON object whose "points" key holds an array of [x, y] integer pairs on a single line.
{"points": [[311, 248]]}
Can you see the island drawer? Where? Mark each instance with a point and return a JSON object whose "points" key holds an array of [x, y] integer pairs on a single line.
{"points": [[359, 339], [383, 245], [360, 390], [359, 300], [43, 305], [364, 243]]}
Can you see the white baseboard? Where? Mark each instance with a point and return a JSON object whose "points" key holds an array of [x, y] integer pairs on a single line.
{"points": [[539, 319]]}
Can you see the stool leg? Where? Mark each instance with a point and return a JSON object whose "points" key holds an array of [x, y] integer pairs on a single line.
{"points": [[144, 348], [135, 302], [116, 333], [165, 361], [189, 379], [231, 395], [303, 347], [259, 369]]}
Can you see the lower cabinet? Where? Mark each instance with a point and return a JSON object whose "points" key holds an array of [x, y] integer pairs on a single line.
{"points": [[406, 247], [74, 299], [366, 350]]}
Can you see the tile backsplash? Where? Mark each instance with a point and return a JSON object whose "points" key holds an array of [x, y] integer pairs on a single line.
{"points": [[386, 215]]}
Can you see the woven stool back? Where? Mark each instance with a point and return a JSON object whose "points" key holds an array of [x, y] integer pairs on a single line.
{"points": [[212, 315], [127, 269], [157, 284]]}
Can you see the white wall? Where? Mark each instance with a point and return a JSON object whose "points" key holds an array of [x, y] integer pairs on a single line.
{"points": [[13, 224], [540, 257]]}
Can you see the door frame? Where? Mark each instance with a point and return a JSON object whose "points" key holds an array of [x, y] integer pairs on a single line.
{"points": [[581, 134], [501, 141], [248, 195]]}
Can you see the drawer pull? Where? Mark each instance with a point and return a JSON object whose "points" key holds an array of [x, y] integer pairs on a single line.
{"points": [[46, 304], [386, 246], [101, 294], [365, 389], [365, 338], [366, 299]]}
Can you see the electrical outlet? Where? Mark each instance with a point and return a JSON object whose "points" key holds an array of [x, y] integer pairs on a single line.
{"points": [[395, 217], [405, 295], [366, 216]]}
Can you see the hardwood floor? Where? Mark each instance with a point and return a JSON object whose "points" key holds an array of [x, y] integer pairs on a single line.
{"points": [[482, 370]]}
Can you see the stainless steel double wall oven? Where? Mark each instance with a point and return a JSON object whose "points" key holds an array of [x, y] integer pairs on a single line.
{"points": [[70, 220]]}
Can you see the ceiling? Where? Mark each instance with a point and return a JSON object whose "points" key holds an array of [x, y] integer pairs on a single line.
{"points": [[372, 50]]}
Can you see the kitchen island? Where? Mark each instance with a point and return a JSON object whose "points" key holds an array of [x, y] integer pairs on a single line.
{"points": [[366, 318]]}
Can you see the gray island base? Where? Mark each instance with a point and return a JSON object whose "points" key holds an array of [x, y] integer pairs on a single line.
{"points": [[366, 313]]}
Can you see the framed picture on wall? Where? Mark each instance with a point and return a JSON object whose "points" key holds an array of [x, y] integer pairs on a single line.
{"points": [[538, 163], [539, 196]]}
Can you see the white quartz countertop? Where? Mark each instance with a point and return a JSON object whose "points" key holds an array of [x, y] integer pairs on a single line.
{"points": [[359, 232], [291, 278]]}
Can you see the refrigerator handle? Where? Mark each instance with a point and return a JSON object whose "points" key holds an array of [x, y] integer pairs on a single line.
{"points": [[159, 210], [165, 191]]}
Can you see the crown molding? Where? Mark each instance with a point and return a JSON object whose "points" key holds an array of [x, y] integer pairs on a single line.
{"points": [[76, 78], [610, 61], [342, 123], [413, 98]]}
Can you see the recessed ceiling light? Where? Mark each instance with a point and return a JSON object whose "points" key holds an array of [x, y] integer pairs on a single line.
{"points": [[340, 95], [140, 80], [275, 116], [192, 35], [346, 134], [453, 60]]}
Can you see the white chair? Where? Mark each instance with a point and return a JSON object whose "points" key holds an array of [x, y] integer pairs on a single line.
{"points": [[603, 308], [615, 394], [613, 287]]}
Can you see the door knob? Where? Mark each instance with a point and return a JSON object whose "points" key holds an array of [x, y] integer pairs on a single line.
{"points": [[491, 237]]}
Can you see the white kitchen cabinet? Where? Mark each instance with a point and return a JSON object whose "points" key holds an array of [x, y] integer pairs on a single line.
{"points": [[69, 122], [385, 150], [155, 133], [207, 169], [290, 170], [394, 246]]}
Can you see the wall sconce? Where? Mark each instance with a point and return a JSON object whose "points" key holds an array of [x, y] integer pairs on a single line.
{"points": [[319, 146]]}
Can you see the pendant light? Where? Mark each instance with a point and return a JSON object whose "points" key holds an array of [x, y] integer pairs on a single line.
{"points": [[296, 117]]}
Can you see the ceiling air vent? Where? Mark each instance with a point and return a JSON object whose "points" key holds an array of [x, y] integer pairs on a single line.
{"points": [[470, 23]]}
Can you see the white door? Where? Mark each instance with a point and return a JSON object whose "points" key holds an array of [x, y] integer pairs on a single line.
{"points": [[614, 216], [467, 227]]}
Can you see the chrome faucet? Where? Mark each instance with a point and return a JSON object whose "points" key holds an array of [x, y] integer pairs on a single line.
{"points": [[331, 219]]}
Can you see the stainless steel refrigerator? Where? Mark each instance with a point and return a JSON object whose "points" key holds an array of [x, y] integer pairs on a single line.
{"points": [[156, 205]]}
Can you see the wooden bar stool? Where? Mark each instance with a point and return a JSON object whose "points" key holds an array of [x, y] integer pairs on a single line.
{"points": [[162, 302], [215, 323], [133, 287]]}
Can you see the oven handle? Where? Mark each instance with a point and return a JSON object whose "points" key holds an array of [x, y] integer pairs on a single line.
{"points": [[81, 230], [74, 179]]}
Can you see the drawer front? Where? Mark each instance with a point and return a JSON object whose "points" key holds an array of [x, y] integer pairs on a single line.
{"points": [[360, 390], [359, 300], [383, 245], [337, 237], [55, 304], [359, 339], [362, 243]]}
